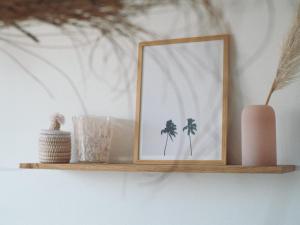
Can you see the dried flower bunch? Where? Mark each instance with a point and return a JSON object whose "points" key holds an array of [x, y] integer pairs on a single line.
{"points": [[289, 63], [56, 121]]}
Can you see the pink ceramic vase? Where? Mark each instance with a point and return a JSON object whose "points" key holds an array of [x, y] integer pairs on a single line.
{"points": [[258, 136]]}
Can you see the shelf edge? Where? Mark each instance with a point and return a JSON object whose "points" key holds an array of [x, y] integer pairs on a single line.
{"points": [[161, 168]]}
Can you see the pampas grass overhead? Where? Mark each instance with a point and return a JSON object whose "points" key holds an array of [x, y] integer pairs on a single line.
{"points": [[109, 17], [289, 63]]}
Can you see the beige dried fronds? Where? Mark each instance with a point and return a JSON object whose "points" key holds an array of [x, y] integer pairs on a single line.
{"points": [[56, 121], [289, 63], [108, 17]]}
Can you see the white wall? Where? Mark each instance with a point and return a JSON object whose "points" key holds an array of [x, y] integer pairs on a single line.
{"points": [[89, 198]]}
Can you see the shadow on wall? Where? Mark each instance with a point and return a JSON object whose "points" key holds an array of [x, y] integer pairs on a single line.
{"points": [[122, 141], [288, 124], [234, 154]]}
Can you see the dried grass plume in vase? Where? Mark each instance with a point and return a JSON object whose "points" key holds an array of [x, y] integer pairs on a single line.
{"points": [[259, 121], [289, 64]]}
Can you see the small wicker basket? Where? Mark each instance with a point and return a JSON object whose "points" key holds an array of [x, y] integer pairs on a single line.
{"points": [[55, 145]]}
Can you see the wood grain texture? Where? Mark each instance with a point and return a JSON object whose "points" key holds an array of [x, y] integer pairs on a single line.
{"points": [[184, 40], [225, 98], [138, 105], [136, 152], [161, 168]]}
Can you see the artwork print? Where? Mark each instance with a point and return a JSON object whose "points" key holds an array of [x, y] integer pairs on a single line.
{"points": [[182, 101]]}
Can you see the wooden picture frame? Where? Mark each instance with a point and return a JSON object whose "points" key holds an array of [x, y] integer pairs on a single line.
{"points": [[145, 157]]}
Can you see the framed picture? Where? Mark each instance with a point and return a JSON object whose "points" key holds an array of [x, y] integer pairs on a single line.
{"points": [[182, 92]]}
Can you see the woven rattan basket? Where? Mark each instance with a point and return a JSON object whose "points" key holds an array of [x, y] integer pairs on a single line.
{"points": [[54, 145]]}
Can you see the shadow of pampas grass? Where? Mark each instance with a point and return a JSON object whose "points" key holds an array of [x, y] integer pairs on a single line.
{"points": [[109, 20]]}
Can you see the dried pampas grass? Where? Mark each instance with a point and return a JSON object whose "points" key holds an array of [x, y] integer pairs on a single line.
{"points": [[87, 25], [289, 63], [108, 17]]}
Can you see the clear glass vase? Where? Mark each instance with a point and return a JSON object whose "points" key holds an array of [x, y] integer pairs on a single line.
{"points": [[92, 136]]}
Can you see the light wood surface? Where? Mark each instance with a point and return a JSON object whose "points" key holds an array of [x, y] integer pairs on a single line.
{"points": [[161, 168], [136, 151]]}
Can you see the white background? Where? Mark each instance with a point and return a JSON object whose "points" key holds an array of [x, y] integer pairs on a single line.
{"points": [[181, 81], [32, 197]]}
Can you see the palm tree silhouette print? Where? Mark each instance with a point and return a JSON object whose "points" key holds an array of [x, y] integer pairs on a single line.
{"points": [[170, 130], [191, 129]]}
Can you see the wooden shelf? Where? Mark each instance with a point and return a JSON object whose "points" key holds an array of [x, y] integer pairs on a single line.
{"points": [[161, 168]]}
